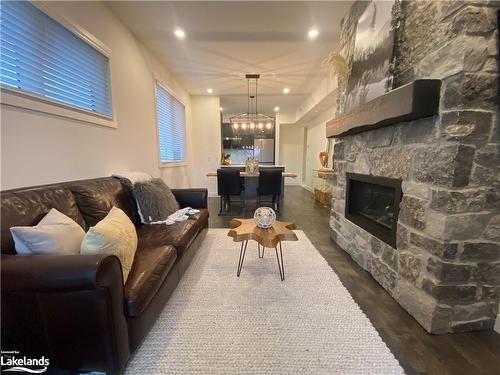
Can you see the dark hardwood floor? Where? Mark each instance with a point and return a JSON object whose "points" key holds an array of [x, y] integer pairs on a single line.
{"points": [[417, 351]]}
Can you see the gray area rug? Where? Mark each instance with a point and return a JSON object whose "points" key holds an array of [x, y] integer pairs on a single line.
{"points": [[217, 323]]}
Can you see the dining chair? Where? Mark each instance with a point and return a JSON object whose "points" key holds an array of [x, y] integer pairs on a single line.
{"points": [[270, 180], [229, 184]]}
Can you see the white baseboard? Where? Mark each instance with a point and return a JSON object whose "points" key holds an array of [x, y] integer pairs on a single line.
{"points": [[496, 328], [308, 188], [212, 194]]}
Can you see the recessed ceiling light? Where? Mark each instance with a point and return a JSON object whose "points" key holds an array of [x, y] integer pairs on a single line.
{"points": [[179, 34], [276, 109], [286, 90], [210, 91], [221, 109], [312, 34]]}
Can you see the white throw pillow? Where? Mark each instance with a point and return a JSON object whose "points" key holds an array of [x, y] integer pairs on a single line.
{"points": [[114, 235], [55, 234]]}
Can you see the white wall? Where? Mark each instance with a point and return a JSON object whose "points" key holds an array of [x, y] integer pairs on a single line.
{"points": [[38, 148], [316, 142], [291, 148], [281, 118], [206, 140], [325, 89]]}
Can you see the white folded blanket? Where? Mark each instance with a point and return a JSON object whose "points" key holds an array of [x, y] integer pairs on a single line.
{"points": [[133, 176], [178, 216]]}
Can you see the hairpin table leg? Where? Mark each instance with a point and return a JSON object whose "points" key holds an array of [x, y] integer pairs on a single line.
{"points": [[281, 266], [263, 249], [243, 250]]}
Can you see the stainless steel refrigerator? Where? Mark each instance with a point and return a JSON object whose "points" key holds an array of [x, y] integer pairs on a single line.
{"points": [[264, 150]]}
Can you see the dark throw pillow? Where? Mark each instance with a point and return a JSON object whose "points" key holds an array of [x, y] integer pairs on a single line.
{"points": [[155, 200]]}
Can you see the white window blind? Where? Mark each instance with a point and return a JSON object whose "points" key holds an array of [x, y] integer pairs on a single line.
{"points": [[170, 117], [40, 56]]}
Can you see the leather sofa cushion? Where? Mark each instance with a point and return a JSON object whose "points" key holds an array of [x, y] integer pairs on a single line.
{"points": [[27, 206], [201, 218], [195, 198], [180, 235], [150, 268], [95, 198]]}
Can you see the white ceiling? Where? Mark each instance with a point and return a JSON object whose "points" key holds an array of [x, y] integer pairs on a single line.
{"points": [[226, 39]]}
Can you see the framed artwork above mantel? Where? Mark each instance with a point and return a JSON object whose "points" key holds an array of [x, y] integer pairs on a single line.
{"points": [[371, 72]]}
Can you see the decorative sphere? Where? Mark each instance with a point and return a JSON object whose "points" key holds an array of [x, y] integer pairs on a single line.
{"points": [[264, 217]]}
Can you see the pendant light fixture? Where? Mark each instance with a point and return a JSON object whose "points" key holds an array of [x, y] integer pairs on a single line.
{"points": [[252, 122]]}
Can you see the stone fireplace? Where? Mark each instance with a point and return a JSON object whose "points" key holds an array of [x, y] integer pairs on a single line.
{"points": [[372, 203], [442, 262]]}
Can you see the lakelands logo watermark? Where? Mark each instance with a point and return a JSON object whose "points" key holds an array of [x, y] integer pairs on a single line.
{"points": [[14, 362]]}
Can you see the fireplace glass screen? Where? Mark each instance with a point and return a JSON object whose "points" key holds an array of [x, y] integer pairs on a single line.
{"points": [[373, 204]]}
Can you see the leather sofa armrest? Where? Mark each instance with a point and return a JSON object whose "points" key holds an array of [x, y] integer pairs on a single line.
{"points": [[59, 273], [195, 198], [49, 301]]}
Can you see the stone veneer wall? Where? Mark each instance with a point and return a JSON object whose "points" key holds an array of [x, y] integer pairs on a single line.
{"points": [[446, 268]]}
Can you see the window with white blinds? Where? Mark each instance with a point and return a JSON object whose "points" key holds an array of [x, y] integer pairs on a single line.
{"points": [[40, 56], [171, 120]]}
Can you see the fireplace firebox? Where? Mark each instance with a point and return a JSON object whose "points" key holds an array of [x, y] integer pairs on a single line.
{"points": [[373, 204]]}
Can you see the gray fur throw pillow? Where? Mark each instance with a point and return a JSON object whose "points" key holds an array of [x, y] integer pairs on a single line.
{"points": [[155, 200]]}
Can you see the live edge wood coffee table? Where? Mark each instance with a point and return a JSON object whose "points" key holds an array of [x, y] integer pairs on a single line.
{"points": [[246, 229]]}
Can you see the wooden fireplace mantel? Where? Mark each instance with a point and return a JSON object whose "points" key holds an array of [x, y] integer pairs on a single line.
{"points": [[415, 100]]}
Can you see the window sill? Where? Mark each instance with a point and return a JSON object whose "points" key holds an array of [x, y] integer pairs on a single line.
{"points": [[174, 164], [14, 98]]}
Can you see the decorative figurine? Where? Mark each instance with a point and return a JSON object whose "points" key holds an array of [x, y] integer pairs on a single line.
{"points": [[323, 159], [252, 166], [225, 159], [264, 217]]}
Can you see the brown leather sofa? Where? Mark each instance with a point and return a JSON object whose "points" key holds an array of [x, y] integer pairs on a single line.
{"points": [[74, 309]]}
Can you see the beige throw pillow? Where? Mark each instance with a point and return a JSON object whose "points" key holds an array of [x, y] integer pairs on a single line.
{"points": [[55, 234], [114, 235]]}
